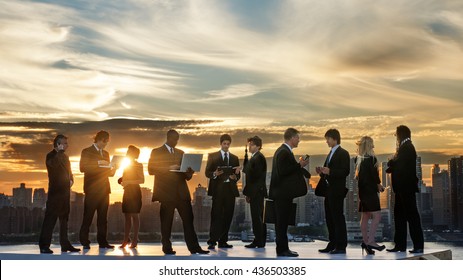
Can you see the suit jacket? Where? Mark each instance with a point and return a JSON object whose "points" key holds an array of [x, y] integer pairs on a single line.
{"points": [[287, 181], [95, 178], [403, 169], [256, 173], [59, 174], [339, 166], [215, 160], [168, 185]]}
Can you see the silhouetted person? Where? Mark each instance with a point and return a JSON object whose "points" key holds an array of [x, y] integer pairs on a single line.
{"points": [[223, 189], [131, 200], [287, 183], [369, 186], [255, 190], [60, 181], [94, 163], [334, 171], [171, 190], [405, 184]]}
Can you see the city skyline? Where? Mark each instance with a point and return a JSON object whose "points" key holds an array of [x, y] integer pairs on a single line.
{"points": [[139, 67]]}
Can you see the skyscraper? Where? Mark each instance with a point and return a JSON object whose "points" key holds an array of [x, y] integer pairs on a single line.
{"points": [[440, 198], [455, 167], [40, 198], [22, 196]]}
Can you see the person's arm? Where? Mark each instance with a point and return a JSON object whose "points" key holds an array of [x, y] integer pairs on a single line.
{"points": [[286, 163], [342, 169], [211, 167], [156, 166], [87, 164]]}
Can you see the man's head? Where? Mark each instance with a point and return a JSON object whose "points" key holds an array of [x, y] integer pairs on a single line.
{"points": [[403, 132], [172, 138], [292, 137], [254, 144], [225, 142], [101, 139], [62, 140], [333, 137]]}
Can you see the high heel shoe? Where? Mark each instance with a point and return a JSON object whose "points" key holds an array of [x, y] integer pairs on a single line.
{"points": [[124, 244], [378, 248], [367, 248]]}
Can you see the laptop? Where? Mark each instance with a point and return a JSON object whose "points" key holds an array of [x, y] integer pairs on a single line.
{"points": [[190, 160], [115, 161]]}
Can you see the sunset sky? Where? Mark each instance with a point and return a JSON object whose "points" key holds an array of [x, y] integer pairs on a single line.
{"points": [[140, 67]]}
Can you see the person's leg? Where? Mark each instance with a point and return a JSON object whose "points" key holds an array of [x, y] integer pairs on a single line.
{"points": [[376, 218], [228, 209], [414, 222], [167, 216], [186, 214], [102, 220], [48, 225], [400, 223], [364, 226], [89, 212], [127, 226]]}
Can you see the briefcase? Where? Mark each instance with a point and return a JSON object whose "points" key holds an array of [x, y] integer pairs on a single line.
{"points": [[270, 216]]}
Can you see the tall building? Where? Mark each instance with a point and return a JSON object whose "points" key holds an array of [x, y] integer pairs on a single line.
{"points": [[440, 198], [202, 204], [352, 198], [455, 169], [4, 200], [39, 198], [22, 196]]}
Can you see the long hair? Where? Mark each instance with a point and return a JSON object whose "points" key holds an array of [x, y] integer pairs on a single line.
{"points": [[364, 150]]}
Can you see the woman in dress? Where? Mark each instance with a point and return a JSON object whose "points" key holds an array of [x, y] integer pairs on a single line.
{"points": [[369, 186], [131, 201]]}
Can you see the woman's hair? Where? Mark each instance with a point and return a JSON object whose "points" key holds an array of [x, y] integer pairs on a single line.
{"points": [[364, 150], [133, 152]]}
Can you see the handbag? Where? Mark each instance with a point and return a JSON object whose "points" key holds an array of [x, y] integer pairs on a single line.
{"points": [[322, 187]]}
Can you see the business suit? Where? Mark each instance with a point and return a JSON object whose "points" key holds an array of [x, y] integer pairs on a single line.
{"points": [[256, 189], [97, 190], [60, 179], [223, 191], [171, 190], [287, 182], [405, 184], [339, 166]]}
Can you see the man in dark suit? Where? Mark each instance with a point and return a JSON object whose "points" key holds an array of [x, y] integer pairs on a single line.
{"points": [[405, 184], [60, 181], [94, 163], [255, 190], [223, 172], [334, 171], [171, 190], [287, 182]]}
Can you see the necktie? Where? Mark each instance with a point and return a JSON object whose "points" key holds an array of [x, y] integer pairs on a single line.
{"points": [[327, 159], [225, 158], [172, 150], [101, 152]]}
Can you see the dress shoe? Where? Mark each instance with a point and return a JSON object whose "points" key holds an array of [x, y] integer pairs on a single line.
{"points": [[70, 249], [417, 251], [170, 252], [225, 245], [338, 251], [86, 247], [396, 249], [45, 251], [199, 251], [326, 250], [254, 245], [106, 246], [288, 253], [377, 248], [211, 245]]}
